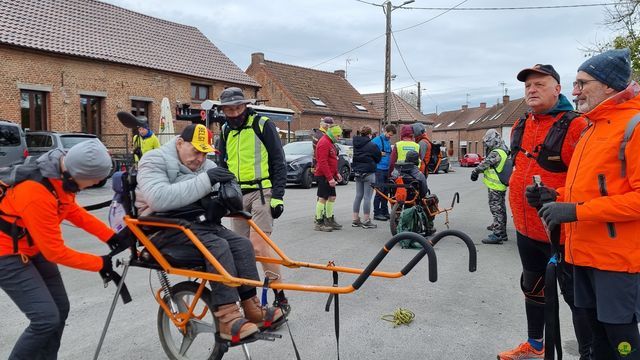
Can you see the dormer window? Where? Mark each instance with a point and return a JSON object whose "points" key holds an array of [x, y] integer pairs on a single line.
{"points": [[359, 106], [317, 102]]}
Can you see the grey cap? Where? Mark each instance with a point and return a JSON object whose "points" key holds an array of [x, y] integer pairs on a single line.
{"points": [[88, 160], [233, 96], [418, 129], [612, 68]]}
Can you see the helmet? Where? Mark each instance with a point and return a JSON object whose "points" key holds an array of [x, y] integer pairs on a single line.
{"points": [[418, 129], [412, 158], [492, 139]]}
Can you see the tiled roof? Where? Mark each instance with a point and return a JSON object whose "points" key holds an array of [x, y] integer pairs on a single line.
{"points": [[399, 109], [501, 115], [92, 29], [457, 119], [339, 96]]}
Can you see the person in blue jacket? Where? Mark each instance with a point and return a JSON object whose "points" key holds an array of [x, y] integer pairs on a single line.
{"points": [[382, 141]]}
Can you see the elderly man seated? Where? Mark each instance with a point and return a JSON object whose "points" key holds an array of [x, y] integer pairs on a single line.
{"points": [[178, 175]]}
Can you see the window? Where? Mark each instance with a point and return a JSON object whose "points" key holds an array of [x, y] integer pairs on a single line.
{"points": [[451, 124], [91, 114], [437, 125], [359, 106], [140, 108], [33, 109], [317, 102], [199, 92]]}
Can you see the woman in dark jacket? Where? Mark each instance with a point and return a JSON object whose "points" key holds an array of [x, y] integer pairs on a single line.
{"points": [[366, 155]]}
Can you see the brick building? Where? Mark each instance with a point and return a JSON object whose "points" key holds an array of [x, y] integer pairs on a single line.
{"points": [[450, 130], [72, 65], [312, 94], [401, 112]]}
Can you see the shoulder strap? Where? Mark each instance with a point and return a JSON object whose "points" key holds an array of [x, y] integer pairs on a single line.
{"points": [[631, 126]]}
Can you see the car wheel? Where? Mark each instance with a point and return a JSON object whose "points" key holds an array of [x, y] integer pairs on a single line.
{"points": [[345, 172], [307, 178]]}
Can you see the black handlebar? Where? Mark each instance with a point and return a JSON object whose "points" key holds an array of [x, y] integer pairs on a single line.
{"points": [[427, 249], [456, 199], [462, 236]]}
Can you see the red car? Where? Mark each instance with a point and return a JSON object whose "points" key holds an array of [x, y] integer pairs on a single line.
{"points": [[470, 159]]}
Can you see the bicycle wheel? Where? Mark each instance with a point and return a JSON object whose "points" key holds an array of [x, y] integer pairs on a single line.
{"points": [[394, 217], [199, 341]]}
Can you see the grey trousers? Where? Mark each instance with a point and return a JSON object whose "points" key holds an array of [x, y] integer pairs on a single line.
{"points": [[37, 289], [234, 252], [364, 191], [498, 209]]}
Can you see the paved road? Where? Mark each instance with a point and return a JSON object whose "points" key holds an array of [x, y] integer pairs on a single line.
{"points": [[461, 316]]}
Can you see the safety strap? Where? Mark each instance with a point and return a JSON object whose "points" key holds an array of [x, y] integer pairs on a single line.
{"points": [[336, 312], [631, 126]]}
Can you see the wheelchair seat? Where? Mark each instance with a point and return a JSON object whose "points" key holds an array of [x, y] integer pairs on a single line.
{"points": [[184, 257]]}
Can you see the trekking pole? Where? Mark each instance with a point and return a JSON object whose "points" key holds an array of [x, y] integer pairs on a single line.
{"points": [[114, 302], [552, 337]]}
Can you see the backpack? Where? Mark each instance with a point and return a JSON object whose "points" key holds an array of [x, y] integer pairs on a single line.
{"points": [[549, 152], [10, 177], [255, 125], [505, 175], [412, 219], [436, 155]]}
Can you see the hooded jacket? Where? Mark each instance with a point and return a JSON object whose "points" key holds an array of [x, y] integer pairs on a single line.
{"points": [[525, 217], [425, 152], [366, 155], [164, 184], [326, 158], [41, 213], [384, 146], [605, 236]]}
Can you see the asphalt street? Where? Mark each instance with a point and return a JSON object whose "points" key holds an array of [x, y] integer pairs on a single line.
{"points": [[461, 316]]}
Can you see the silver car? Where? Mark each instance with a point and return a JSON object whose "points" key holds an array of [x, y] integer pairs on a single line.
{"points": [[13, 146]]}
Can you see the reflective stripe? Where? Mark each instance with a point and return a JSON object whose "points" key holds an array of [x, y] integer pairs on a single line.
{"points": [[490, 175], [403, 147]]}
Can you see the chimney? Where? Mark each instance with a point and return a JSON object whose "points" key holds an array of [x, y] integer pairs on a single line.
{"points": [[257, 58], [340, 73], [465, 107], [483, 105], [505, 99]]}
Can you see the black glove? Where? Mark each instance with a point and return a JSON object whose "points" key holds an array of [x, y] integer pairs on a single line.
{"points": [[120, 241], [538, 195], [107, 268], [474, 175], [219, 174], [277, 207], [556, 213]]}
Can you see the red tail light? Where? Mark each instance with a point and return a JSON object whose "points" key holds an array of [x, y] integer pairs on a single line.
{"points": [[25, 153]]}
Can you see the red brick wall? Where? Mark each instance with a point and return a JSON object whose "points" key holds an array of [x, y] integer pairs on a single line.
{"points": [[447, 137], [70, 76]]}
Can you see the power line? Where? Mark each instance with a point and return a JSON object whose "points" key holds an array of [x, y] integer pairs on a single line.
{"points": [[346, 52], [433, 18], [402, 57], [516, 7]]}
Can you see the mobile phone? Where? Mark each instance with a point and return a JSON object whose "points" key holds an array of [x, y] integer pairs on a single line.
{"points": [[537, 180]]}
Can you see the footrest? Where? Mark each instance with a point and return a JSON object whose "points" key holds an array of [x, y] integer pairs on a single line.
{"points": [[268, 336]]}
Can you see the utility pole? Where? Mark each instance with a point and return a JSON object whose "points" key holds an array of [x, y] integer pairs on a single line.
{"points": [[387, 64], [419, 96]]}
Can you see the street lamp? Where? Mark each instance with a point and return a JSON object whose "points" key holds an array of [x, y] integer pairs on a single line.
{"points": [[388, 8]]}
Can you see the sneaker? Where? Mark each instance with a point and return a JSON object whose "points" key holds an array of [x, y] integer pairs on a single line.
{"points": [[332, 223], [522, 352], [369, 225], [356, 223], [321, 226], [492, 239], [490, 227], [380, 218]]}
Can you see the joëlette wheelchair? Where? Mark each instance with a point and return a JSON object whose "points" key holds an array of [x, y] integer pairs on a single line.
{"points": [[186, 325], [406, 194]]}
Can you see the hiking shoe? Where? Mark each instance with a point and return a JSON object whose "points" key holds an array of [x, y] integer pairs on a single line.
{"points": [[282, 303], [232, 325], [522, 352], [321, 226], [263, 317], [490, 227], [356, 223], [368, 224], [380, 218], [332, 223], [492, 239]]}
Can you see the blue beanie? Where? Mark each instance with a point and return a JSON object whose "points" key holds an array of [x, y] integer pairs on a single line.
{"points": [[612, 68]]}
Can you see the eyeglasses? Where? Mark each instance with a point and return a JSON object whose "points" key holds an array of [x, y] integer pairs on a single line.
{"points": [[579, 84]]}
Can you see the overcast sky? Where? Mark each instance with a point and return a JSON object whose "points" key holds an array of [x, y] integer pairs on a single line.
{"points": [[458, 53]]}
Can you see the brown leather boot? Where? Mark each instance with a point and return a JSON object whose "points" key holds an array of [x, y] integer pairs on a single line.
{"points": [[262, 317], [231, 325]]}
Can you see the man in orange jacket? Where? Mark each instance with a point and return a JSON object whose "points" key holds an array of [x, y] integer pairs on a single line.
{"points": [[600, 204], [28, 267], [541, 144]]}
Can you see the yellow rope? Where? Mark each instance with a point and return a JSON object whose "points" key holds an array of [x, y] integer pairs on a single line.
{"points": [[400, 317]]}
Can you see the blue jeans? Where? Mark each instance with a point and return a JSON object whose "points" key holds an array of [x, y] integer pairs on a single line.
{"points": [[37, 289], [379, 203]]}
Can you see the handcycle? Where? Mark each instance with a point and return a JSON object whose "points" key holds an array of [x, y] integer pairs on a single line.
{"points": [[185, 311], [407, 195]]}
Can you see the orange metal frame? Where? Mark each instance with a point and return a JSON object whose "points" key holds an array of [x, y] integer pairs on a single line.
{"points": [[223, 275]]}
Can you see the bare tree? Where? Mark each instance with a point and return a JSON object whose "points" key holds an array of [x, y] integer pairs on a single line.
{"points": [[410, 96]]}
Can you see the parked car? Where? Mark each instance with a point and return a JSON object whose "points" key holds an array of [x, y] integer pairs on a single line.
{"points": [[299, 156], [470, 159], [13, 145], [39, 142]]}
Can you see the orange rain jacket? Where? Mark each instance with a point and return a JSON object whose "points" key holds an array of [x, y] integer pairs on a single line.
{"points": [[591, 241], [425, 152], [41, 213], [525, 217]]}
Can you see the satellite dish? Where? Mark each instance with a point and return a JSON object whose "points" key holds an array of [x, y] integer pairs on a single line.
{"points": [[129, 120], [206, 105]]}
